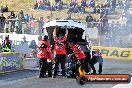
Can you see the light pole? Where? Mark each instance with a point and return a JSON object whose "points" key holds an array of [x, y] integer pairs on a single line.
{"points": [[100, 27], [51, 9], [100, 24]]}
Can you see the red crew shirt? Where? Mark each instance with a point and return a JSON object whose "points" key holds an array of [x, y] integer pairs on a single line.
{"points": [[60, 46], [78, 52], [42, 52]]}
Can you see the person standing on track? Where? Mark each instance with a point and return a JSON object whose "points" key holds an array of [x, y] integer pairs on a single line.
{"points": [[97, 57], [60, 51], [44, 54]]}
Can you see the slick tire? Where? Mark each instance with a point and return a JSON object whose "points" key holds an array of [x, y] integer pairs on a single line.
{"points": [[81, 80]]}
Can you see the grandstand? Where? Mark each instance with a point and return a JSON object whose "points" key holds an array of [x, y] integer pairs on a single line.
{"points": [[26, 6]]}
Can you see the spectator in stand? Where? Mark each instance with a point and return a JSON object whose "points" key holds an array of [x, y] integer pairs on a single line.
{"points": [[11, 20], [32, 17], [71, 7], [76, 9], [68, 16], [81, 9], [2, 22], [89, 19], [46, 6], [40, 25], [32, 24], [92, 3], [57, 6], [2, 9], [26, 17], [46, 20], [107, 8], [6, 28], [113, 4], [94, 10], [40, 5], [58, 1], [21, 16], [6, 8], [120, 3], [98, 9], [83, 3], [35, 6], [107, 4], [126, 4], [18, 25], [74, 1]]}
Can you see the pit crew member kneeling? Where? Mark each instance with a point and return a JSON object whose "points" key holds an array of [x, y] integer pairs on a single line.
{"points": [[96, 58], [79, 54], [45, 57]]}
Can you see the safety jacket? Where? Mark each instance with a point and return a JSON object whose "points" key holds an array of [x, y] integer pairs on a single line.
{"points": [[7, 47]]}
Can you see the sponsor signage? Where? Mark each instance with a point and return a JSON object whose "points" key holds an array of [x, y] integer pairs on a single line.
{"points": [[115, 53], [10, 62]]}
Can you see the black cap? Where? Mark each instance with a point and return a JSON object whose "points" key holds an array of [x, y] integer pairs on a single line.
{"points": [[45, 37]]}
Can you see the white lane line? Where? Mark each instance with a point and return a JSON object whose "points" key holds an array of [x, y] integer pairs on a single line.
{"points": [[124, 85]]}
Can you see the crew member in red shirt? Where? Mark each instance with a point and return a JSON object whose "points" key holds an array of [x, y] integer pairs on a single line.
{"points": [[60, 50], [44, 54], [79, 54], [77, 50]]}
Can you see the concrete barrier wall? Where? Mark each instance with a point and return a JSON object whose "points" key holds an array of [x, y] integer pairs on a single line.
{"points": [[31, 62], [11, 62]]}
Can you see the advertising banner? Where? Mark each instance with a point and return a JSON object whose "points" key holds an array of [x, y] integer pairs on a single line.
{"points": [[115, 53], [11, 61]]}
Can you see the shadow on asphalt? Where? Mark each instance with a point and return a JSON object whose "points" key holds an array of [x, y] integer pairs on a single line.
{"points": [[18, 75]]}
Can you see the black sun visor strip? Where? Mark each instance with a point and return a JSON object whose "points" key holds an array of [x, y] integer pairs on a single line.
{"points": [[61, 21]]}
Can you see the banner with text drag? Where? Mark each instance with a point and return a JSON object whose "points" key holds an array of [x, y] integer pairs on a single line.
{"points": [[115, 53]]}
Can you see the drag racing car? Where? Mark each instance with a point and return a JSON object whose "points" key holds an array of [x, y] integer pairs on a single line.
{"points": [[76, 32]]}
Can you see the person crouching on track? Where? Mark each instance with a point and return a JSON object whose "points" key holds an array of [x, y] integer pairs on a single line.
{"points": [[43, 55], [60, 51], [96, 58], [79, 54]]}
